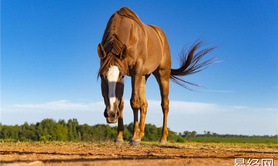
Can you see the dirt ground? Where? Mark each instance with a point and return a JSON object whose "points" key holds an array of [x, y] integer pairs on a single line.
{"points": [[153, 154]]}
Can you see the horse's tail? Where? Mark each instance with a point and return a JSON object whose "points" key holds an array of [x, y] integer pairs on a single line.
{"points": [[191, 63]]}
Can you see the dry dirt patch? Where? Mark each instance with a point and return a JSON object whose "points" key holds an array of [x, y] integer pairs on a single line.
{"points": [[69, 153]]}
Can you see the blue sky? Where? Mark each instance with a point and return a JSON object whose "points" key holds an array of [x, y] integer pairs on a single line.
{"points": [[49, 63]]}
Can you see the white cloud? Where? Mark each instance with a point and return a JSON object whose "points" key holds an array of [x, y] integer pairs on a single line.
{"points": [[175, 106], [198, 116], [59, 105], [187, 107]]}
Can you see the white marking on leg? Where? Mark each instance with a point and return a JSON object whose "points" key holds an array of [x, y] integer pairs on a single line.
{"points": [[112, 77]]}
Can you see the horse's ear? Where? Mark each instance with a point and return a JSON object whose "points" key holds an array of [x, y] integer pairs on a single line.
{"points": [[101, 52], [123, 52]]}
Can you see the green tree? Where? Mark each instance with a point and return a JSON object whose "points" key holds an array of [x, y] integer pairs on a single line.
{"points": [[193, 134], [127, 135], [186, 134], [27, 132], [151, 133], [61, 131], [47, 127], [72, 127], [84, 132]]}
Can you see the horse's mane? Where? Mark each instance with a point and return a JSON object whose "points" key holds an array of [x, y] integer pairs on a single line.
{"points": [[110, 40]]}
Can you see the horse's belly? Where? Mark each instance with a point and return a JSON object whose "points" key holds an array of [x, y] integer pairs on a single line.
{"points": [[152, 62], [154, 55]]}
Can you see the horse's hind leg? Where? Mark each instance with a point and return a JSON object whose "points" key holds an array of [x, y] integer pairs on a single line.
{"points": [[162, 76]]}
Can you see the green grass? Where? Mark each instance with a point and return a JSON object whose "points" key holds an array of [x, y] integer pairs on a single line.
{"points": [[235, 140]]}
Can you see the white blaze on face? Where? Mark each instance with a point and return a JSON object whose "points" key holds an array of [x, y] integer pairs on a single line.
{"points": [[112, 77]]}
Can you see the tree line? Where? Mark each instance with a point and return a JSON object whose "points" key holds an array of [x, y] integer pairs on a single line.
{"points": [[51, 130]]}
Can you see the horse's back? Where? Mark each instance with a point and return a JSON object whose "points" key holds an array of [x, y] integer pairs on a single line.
{"points": [[165, 61]]}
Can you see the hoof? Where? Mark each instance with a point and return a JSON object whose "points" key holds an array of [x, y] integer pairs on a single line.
{"points": [[134, 143], [118, 141], [163, 142]]}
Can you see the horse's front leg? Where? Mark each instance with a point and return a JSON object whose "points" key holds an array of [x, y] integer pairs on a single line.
{"points": [[135, 105], [143, 106], [120, 139]]}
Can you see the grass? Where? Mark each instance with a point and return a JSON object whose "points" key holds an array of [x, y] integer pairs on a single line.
{"points": [[259, 140], [249, 139]]}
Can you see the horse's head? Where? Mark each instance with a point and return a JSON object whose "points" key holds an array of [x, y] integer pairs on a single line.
{"points": [[112, 83]]}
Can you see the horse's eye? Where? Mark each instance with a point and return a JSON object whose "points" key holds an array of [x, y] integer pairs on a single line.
{"points": [[122, 76]]}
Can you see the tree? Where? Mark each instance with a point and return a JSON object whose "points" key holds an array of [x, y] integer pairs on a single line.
{"points": [[85, 132], [27, 132], [151, 133], [61, 132], [47, 128], [214, 134], [72, 126], [187, 134], [207, 133], [193, 134]]}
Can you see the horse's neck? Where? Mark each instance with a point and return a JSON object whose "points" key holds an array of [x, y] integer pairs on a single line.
{"points": [[124, 30]]}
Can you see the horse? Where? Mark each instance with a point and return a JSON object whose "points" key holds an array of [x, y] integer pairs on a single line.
{"points": [[131, 48]]}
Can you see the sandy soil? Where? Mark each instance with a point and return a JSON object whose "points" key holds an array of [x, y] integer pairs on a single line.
{"points": [[191, 154]]}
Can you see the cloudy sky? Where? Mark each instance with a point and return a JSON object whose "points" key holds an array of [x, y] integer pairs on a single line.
{"points": [[49, 63]]}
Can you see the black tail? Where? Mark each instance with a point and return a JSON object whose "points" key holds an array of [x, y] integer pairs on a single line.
{"points": [[191, 63]]}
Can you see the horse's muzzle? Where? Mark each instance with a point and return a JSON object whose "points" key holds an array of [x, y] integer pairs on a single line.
{"points": [[111, 116], [111, 120]]}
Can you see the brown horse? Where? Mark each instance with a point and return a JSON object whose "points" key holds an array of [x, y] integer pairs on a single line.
{"points": [[130, 47]]}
